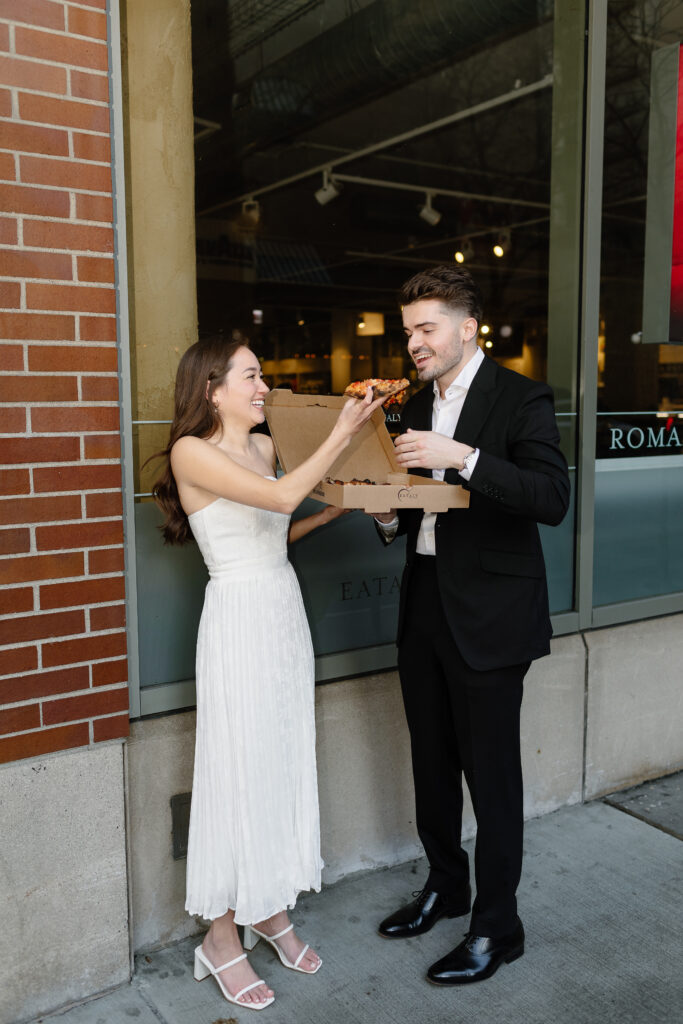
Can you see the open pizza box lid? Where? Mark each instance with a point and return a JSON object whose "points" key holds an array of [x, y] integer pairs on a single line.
{"points": [[298, 425]]}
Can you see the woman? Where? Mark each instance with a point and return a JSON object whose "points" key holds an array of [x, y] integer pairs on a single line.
{"points": [[254, 839]]}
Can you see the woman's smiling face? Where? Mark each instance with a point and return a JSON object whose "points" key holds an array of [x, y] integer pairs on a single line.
{"points": [[242, 391]]}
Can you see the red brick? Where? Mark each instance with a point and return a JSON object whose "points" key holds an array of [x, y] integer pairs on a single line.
{"points": [[37, 326], [99, 389], [102, 447], [41, 567], [98, 328], [18, 659], [72, 358], [70, 297], [34, 12], [39, 449], [85, 706], [81, 53], [44, 741], [87, 648], [109, 617], [39, 510], [76, 478], [14, 600], [106, 560], [11, 357], [10, 294], [28, 75], [95, 147], [70, 113], [32, 388], [113, 728], [40, 202], [5, 103], [89, 87], [99, 208], [19, 719], [4, 37], [95, 269], [8, 231], [8, 170], [101, 5], [81, 535], [52, 419], [45, 234], [44, 684], [32, 138], [12, 420], [106, 672], [15, 481], [41, 627], [87, 23], [83, 592], [14, 542], [39, 170], [99, 506], [56, 266]]}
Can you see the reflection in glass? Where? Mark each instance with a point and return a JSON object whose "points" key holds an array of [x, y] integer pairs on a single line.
{"points": [[339, 150]]}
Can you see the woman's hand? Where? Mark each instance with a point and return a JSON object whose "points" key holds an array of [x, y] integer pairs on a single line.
{"points": [[331, 512], [356, 414]]}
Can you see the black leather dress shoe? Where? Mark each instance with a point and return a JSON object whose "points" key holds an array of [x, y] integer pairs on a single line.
{"points": [[477, 957], [425, 910]]}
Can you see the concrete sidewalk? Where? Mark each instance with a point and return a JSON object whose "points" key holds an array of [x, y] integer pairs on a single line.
{"points": [[601, 900]]}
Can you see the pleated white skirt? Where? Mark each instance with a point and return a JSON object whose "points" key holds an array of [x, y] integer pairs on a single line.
{"points": [[254, 840]]}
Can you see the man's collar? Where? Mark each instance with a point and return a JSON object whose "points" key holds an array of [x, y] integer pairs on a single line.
{"points": [[465, 377]]}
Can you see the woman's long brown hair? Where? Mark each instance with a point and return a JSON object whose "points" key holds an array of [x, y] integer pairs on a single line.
{"points": [[194, 415]]}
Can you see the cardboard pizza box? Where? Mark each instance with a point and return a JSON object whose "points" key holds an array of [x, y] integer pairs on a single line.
{"points": [[299, 423]]}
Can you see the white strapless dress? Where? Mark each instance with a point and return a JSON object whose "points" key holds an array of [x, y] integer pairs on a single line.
{"points": [[254, 840]]}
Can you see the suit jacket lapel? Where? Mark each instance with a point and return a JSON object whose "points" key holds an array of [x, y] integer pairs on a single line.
{"points": [[480, 399]]}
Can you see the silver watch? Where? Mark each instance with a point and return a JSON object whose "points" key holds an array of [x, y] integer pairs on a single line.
{"points": [[469, 458]]}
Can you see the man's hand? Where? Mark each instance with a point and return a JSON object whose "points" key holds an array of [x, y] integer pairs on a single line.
{"points": [[426, 449]]}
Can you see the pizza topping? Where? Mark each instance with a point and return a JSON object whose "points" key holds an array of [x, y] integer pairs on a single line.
{"points": [[381, 387], [329, 479]]}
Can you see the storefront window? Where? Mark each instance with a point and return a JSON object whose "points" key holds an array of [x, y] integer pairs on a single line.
{"points": [[639, 484], [339, 151]]}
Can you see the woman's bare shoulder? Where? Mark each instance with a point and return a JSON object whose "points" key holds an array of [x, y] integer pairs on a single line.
{"points": [[265, 446]]}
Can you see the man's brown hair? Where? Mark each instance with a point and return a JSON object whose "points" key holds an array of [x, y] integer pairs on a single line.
{"points": [[451, 285]]}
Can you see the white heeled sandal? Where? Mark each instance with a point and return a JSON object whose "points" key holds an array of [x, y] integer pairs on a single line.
{"points": [[203, 968], [252, 935]]}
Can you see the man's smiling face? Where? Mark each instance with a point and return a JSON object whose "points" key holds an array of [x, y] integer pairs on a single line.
{"points": [[438, 339]]}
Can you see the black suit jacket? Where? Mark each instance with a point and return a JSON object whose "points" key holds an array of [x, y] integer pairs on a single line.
{"points": [[490, 567]]}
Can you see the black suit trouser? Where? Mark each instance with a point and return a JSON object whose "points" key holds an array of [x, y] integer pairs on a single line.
{"points": [[462, 721]]}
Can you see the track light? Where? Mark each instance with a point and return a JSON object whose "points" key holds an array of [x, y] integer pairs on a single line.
{"points": [[464, 251], [427, 211], [251, 210], [329, 189], [502, 244]]}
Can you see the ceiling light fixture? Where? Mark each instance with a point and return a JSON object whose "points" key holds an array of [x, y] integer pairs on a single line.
{"points": [[502, 244], [427, 211], [329, 189], [464, 251], [251, 210]]}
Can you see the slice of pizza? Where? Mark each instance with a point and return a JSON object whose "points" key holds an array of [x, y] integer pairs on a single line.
{"points": [[381, 387]]}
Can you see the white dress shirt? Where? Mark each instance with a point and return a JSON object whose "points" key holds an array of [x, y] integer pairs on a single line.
{"points": [[445, 415]]}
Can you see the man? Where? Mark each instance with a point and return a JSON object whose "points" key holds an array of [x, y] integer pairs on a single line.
{"points": [[473, 613]]}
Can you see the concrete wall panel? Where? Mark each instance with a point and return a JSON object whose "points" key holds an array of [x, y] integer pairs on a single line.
{"points": [[63, 883], [635, 711], [160, 763], [364, 776]]}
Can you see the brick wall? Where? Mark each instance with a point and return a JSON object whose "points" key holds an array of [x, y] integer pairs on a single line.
{"points": [[62, 640]]}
